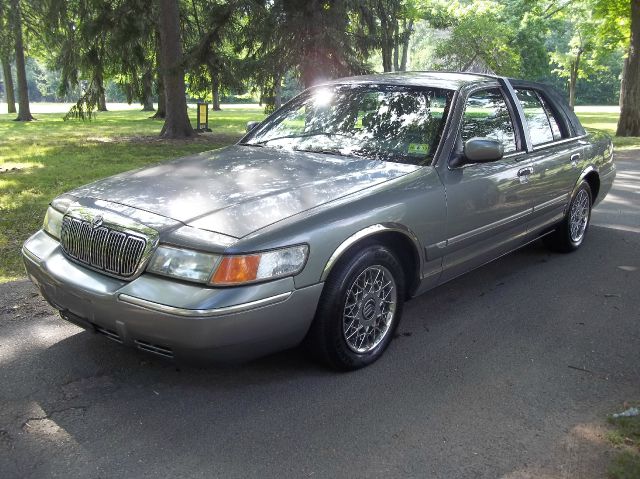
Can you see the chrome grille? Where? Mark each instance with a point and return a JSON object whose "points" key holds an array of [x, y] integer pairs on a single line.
{"points": [[103, 248]]}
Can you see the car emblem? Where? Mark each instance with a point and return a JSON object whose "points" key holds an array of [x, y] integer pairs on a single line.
{"points": [[96, 222]]}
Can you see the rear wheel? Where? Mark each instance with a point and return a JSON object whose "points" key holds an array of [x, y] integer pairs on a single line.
{"points": [[571, 232], [360, 307]]}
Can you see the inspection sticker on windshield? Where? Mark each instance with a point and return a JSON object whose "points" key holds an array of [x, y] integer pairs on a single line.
{"points": [[418, 149]]}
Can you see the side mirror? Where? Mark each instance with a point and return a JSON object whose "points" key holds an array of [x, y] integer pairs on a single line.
{"points": [[251, 125], [482, 150]]}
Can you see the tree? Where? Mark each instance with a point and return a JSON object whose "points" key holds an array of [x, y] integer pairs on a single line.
{"points": [[576, 58], [212, 46], [629, 123], [96, 40], [161, 112], [479, 38], [77, 37], [8, 84], [318, 39], [621, 28], [15, 20], [390, 24], [177, 123], [6, 48]]}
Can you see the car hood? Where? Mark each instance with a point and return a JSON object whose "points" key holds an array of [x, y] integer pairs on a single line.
{"points": [[239, 189]]}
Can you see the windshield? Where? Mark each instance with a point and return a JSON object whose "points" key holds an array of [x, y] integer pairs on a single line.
{"points": [[392, 123]]}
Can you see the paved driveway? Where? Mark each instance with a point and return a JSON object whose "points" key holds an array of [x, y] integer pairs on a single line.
{"points": [[507, 372]]}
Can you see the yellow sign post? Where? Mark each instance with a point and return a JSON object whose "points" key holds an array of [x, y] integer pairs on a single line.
{"points": [[203, 117]]}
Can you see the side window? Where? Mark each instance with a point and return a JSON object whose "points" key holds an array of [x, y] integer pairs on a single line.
{"points": [[486, 114], [543, 126], [555, 127]]}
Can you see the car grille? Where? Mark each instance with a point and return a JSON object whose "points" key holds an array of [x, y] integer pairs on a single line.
{"points": [[102, 248]]}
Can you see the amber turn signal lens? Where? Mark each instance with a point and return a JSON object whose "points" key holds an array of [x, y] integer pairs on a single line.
{"points": [[237, 269]]}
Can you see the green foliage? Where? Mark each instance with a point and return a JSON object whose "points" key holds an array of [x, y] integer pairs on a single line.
{"points": [[626, 465], [626, 435], [91, 40], [478, 39], [614, 28], [212, 46], [6, 40], [628, 427], [273, 47], [576, 55]]}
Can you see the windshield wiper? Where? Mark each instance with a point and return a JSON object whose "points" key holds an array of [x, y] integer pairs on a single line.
{"points": [[304, 135], [328, 151]]}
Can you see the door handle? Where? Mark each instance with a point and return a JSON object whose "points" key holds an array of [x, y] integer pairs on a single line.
{"points": [[574, 159], [525, 171]]}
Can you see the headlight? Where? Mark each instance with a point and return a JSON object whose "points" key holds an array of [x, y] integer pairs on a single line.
{"points": [[260, 266], [183, 263], [53, 222], [228, 270]]}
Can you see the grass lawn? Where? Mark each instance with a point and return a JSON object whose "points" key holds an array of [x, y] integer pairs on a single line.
{"points": [[41, 159], [626, 438], [606, 121]]}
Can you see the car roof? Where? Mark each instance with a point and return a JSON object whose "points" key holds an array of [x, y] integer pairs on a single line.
{"points": [[446, 80]]}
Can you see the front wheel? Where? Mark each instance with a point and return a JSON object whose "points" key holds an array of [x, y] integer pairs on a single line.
{"points": [[571, 232], [359, 309]]}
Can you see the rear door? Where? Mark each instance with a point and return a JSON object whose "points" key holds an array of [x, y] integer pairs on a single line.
{"points": [[555, 157]]}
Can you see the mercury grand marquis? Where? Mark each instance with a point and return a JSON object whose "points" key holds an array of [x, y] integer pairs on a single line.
{"points": [[317, 226]]}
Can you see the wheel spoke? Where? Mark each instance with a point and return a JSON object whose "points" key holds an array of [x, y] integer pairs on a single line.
{"points": [[579, 216], [369, 309]]}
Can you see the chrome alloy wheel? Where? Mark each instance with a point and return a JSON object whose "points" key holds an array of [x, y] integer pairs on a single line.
{"points": [[369, 309], [579, 216]]}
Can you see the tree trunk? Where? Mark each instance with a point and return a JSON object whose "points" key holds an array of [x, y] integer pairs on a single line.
{"points": [[215, 91], [573, 79], [147, 91], [405, 45], [277, 91], [396, 46], [8, 85], [572, 88], [623, 81], [387, 41], [102, 101], [177, 123], [24, 111], [629, 123], [98, 85], [161, 112]]}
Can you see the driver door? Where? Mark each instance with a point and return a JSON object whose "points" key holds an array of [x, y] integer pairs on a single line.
{"points": [[488, 204]]}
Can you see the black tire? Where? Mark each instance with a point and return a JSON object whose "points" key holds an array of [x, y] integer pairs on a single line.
{"points": [[562, 240], [327, 336]]}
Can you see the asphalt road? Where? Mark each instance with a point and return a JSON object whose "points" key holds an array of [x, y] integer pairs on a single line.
{"points": [[508, 372]]}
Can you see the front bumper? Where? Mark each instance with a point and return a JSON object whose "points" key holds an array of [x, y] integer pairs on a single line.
{"points": [[171, 318]]}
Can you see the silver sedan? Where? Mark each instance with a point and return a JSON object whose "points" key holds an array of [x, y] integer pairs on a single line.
{"points": [[354, 197]]}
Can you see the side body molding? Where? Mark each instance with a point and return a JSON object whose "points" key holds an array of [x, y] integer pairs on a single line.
{"points": [[370, 231]]}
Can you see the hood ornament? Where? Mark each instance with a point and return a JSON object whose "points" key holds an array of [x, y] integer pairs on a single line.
{"points": [[97, 221]]}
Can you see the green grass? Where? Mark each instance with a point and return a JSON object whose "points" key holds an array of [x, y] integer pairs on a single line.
{"points": [[42, 159], [608, 122], [626, 437]]}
